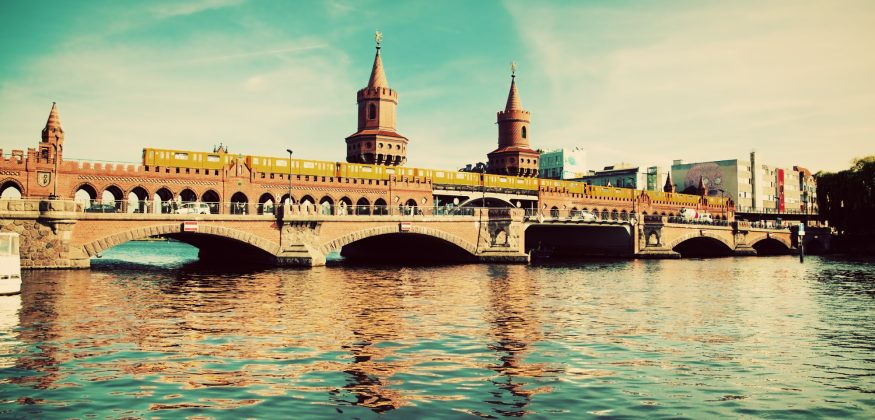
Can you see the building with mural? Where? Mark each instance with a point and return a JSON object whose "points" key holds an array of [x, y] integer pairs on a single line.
{"points": [[753, 185]]}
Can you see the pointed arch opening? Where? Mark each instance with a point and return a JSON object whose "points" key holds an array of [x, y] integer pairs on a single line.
{"points": [[163, 199], [10, 190], [239, 203], [138, 199], [212, 199], [326, 205], [265, 204], [362, 207], [344, 206], [187, 196], [111, 199], [85, 196], [409, 208], [380, 207]]}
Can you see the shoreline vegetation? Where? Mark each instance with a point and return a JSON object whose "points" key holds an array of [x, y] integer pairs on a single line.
{"points": [[846, 200]]}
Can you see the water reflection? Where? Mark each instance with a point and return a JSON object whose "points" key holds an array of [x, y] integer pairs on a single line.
{"points": [[621, 338], [513, 329]]}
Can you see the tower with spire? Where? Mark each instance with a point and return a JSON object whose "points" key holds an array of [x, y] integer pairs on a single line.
{"points": [[52, 144], [513, 156], [377, 141]]}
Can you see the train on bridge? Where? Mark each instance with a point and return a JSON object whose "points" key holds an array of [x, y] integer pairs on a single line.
{"points": [[154, 158]]}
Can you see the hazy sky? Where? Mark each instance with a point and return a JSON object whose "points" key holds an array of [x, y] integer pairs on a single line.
{"points": [[643, 82]]}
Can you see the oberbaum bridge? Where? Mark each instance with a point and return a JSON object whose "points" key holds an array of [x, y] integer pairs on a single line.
{"points": [[294, 212]]}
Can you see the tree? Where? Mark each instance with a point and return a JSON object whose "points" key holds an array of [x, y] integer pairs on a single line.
{"points": [[847, 198]]}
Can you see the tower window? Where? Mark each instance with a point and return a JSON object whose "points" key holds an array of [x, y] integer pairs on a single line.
{"points": [[372, 111], [524, 131]]}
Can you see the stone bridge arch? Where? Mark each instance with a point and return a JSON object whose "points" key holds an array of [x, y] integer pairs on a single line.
{"points": [[99, 245], [702, 234], [338, 243], [784, 239]]}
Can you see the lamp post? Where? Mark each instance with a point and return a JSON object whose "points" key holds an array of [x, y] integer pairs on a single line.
{"points": [[483, 186], [54, 195], [722, 204], [290, 181]]}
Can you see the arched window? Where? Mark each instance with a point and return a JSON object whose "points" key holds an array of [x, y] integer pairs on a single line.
{"points": [[372, 111], [524, 131]]}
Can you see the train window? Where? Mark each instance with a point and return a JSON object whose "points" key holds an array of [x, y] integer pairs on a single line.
{"points": [[367, 169], [308, 165], [183, 156], [282, 162]]}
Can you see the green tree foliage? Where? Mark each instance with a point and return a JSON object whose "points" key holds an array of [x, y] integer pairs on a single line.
{"points": [[847, 199]]}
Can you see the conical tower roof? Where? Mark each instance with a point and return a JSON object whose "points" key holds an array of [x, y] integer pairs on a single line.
{"points": [[54, 120], [378, 76], [513, 97]]}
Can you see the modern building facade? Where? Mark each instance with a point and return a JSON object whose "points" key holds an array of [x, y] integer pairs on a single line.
{"points": [[562, 163], [753, 185]]}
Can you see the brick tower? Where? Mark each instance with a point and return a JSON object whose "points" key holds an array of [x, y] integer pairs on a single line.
{"points": [[513, 156], [376, 140], [52, 145]]}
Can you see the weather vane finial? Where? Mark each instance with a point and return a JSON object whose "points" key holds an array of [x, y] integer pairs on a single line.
{"points": [[379, 37], [513, 69]]}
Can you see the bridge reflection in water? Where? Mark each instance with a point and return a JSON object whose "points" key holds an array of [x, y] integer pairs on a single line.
{"points": [[611, 337]]}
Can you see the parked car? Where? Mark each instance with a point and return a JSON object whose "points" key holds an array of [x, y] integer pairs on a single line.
{"points": [[586, 216], [102, 208], [193, 208]]}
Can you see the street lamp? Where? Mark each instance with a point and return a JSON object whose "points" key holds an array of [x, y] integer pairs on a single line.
{"points": [[483, 187], [290, 182], [54, 195], [722, 203]]}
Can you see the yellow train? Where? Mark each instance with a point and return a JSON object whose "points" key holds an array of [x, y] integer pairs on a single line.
{"points": [[218, 160], [265, 164]]}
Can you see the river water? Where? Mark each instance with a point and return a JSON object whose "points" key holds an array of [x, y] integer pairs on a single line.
{"points": [[148, 333]]}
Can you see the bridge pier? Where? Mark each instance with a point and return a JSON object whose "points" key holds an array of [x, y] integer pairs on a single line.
{"points": [[46, 229]]}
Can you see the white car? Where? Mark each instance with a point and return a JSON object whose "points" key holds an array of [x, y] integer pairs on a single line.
{"points": [[193, 208], [586, 216]]}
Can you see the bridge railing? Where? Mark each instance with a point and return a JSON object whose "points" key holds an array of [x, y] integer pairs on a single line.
{"points": [[574, 215], [245, 208]]}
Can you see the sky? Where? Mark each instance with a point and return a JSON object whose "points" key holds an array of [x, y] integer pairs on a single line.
{"points": [[641, 82]]}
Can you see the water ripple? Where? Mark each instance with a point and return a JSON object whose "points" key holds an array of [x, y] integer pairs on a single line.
{"points": [[692, 338]]}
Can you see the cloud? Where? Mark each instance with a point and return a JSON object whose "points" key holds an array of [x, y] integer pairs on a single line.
{"points": [[707, 82], [115, 100], [185, 8]]}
